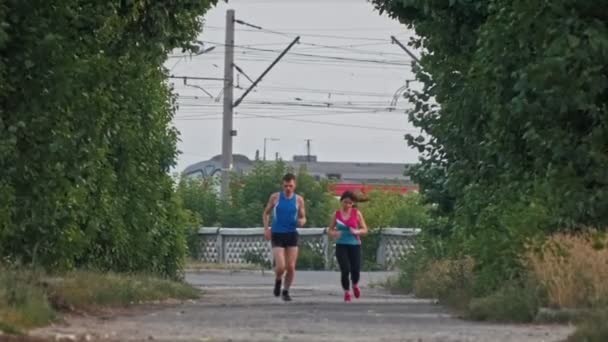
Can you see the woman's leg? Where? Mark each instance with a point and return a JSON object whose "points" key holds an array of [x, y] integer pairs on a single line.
{"points": [[344, 263], [354, 258]]}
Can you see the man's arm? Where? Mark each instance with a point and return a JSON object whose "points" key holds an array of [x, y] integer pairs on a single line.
{"points": [[266, 215], [301, 212]]}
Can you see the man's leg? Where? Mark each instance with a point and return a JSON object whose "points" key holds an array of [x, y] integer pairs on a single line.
{"points": [[291, 257], [279, 268]]}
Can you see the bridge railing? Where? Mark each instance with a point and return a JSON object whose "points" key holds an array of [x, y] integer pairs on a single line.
{"points": [[238, 245]]}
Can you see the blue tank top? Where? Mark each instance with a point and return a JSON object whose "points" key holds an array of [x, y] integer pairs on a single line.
{"points": [[285, 215]]}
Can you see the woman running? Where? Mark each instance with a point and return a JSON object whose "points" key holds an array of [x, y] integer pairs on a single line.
{"points": [[347, 227]]}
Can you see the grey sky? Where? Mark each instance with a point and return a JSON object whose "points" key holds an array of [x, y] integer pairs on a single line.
{"points": [[360, 89]]}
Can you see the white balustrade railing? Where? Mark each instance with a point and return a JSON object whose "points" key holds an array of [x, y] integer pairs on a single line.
{"points": [[238, 245]]}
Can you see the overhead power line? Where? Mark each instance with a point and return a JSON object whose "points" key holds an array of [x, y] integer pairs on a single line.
{"points": [[321, 91], [304, 29], [196, 78], [298, 104], [351, 49], [324, 123], [281, 87], [217, 116], [338, 58], [292, 34]]}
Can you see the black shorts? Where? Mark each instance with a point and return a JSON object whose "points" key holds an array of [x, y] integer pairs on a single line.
{"points": [[284, 240]]}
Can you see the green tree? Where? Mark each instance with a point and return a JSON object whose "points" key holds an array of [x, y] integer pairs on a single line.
{"points": [[250, 193], [86, 142], [514, 110], [390, 210], [320, 202], [200, 197]]}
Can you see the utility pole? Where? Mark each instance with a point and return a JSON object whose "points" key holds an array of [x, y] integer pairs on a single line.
{"points": [[265, 140], [227, 131], [394, 40], [308, 149], [255, 83]]}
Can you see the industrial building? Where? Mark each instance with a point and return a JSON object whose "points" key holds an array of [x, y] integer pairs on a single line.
{"points": [[361, 176]]}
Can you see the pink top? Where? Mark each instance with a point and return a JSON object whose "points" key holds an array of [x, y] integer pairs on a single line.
{"points": [[353, 219], [352, 223]]}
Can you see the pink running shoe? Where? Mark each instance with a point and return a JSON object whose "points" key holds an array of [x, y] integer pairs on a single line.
{"points": [[356, 291], [347, 297]]}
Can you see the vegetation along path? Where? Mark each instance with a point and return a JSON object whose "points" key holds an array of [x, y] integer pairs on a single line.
{"points": [[239, 306]]}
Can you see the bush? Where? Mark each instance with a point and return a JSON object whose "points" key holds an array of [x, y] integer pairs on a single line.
{"points": [[410, 266], [200, 197], [496, 236], [369, 249], [453, 282], [512, 303], [23, 304], [592, 329], [84, 289], [193, 239], [388, 209], [257, 257], [572, 269], [448, 280], [29, 298], [310, 259]]}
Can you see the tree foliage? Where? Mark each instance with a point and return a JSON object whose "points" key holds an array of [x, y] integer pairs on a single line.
{"points": [[85, 136], [249, 195], [389, 210], [393, 210], [514, 111]]}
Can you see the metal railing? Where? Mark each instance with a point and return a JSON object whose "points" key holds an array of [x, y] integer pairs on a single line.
{"points": [[237, 245]]}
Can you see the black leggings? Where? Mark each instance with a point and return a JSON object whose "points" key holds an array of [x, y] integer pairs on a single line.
{"points": [[349, 259]]}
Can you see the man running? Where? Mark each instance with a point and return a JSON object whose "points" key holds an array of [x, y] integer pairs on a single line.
{"points": [[288, 214]]}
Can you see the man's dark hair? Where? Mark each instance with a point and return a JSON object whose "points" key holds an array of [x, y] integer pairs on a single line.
{"points": [[289, 177]]}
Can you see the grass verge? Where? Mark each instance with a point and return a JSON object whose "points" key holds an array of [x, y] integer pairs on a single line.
{"points": [[85, 290], [394, 284], [572, 268], [513, 303], [592, 329], [199, 266], [562, 280], [31, 299], [23, 303]]}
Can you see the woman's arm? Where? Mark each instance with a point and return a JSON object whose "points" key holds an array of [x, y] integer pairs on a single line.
{"points": [[362, 225], [332, 231]]}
